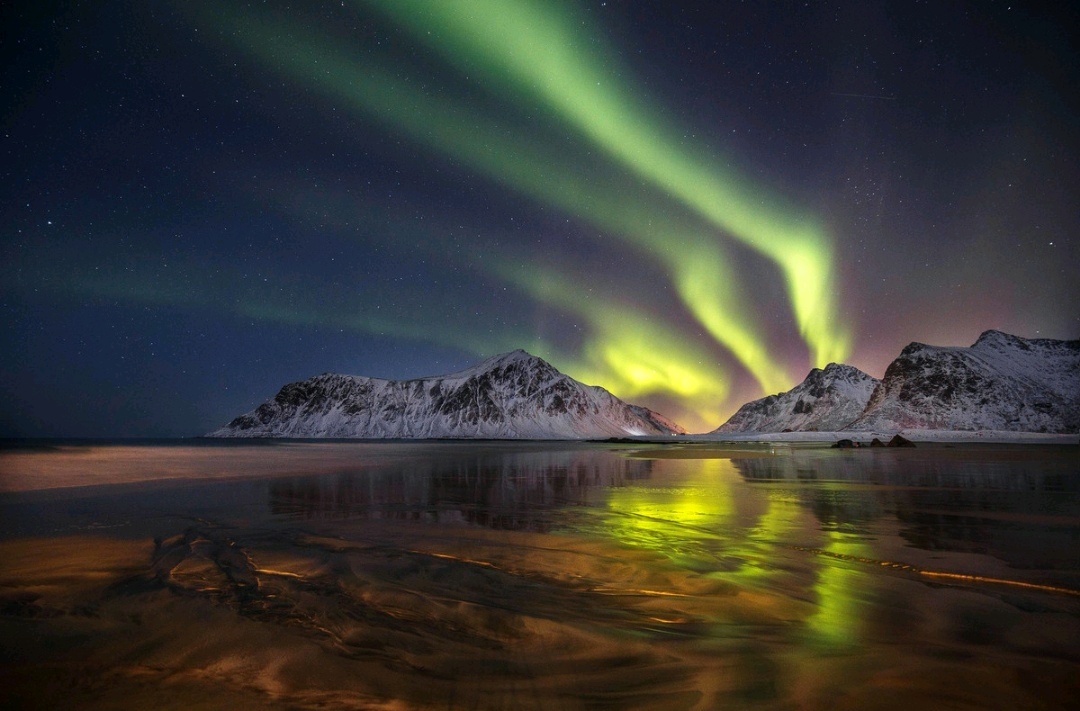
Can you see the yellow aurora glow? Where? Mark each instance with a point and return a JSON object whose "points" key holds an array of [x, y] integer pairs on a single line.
{"points": [[624, 349]]}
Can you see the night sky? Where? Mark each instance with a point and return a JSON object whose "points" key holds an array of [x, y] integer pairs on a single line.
{"points": [[689, 203]]}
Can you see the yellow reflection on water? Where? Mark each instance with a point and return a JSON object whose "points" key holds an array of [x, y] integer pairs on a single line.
{"points": [[704, 513]]}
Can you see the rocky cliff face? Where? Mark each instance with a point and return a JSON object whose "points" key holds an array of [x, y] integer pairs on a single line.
{"points": [[511, 396], [826, 400], [1002, 382]]}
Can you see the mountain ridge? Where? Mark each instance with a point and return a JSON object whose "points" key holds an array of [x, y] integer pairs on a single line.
{"points": [[512, 395], [1001, 382]]}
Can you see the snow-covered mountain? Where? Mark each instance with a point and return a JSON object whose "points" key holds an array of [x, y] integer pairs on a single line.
{"points": [[826, 400], [1002, 382], [510, 396]]}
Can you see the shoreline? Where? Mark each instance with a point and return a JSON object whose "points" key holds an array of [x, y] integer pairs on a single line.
{"points": [[915, 435], [58, 464]]}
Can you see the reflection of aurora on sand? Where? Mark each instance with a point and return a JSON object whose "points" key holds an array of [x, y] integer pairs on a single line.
{"points": [[532, 575], [706, 526]]}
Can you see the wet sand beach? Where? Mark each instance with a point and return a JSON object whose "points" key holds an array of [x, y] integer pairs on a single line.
{"points": [[458, 575]]}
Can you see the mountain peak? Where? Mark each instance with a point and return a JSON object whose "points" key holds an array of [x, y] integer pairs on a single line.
{"points": [[999, 338], [827, 399], [992, 334], [515, 359], [834, 371], [515, 356]]}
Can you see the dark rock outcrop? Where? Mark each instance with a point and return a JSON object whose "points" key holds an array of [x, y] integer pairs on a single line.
{"points": [[898, 441]]}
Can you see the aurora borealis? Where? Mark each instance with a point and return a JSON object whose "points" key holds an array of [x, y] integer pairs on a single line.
{"points": [[688, 203]]}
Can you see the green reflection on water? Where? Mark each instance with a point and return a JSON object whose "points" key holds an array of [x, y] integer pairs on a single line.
{"points": [[705, 519], [836, 619]]}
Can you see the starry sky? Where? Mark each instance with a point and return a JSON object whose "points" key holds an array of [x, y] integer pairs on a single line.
{"points": [[688, 203]]}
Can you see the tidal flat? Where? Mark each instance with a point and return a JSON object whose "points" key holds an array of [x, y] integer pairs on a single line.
{"points": [[531, 575]]}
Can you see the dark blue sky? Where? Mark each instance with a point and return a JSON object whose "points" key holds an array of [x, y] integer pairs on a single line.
{"points": [[201, 202]]}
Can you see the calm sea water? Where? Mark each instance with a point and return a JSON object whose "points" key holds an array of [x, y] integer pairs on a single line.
{"points": [[539, 575]]}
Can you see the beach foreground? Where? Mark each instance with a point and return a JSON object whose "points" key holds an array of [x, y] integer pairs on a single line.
{"points": [[531, 575]]}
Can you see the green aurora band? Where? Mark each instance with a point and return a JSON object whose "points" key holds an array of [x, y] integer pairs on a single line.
{"points": [[699, 266], [200, 284], [550, 62], [539, 49]]}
